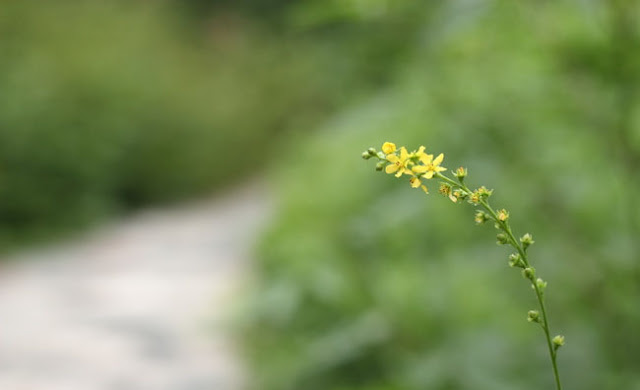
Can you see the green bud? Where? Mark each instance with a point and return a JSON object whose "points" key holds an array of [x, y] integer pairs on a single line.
{"points": [[541, 284], [529, 273], [460, 173], [526, 240], [502, 239], [460, 194], [481, 217], [515, 260], [380, 166], [483, 192], [558, 341], [372, 152], [366, 155], [503, 215], [381, 156], [533, 316]]}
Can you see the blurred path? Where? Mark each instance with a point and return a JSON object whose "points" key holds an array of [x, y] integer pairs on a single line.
{"points": [[135, 306]]}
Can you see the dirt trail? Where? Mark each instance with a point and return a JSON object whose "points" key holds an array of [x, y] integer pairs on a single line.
{"points": [[137, 305]]}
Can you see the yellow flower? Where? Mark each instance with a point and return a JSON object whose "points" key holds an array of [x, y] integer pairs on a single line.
{"points": [[445, 189], [388, 147], [399, 164], [416, 183], [431, 166]]}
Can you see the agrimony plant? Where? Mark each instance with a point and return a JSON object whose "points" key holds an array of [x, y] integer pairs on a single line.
{"points": [[420, 167]]}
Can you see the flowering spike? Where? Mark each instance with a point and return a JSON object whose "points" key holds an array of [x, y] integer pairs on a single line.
{"points": [[420, 166]]}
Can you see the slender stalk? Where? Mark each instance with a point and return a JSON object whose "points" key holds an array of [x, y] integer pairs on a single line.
{"points": [[504, 226]]}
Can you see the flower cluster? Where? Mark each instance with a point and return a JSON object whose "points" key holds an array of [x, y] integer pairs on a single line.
{"points": [[417, 164]]}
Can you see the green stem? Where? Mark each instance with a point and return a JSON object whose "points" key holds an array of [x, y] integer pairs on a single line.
{"points": [[504, 226]]}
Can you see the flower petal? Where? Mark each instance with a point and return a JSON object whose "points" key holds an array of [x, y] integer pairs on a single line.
{"points": [[391, 168], [419, 169], [426, 159], [403, 153], [438, 159]]}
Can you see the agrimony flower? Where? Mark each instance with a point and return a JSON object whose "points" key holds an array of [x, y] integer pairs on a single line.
{"points": [[399, 164]]}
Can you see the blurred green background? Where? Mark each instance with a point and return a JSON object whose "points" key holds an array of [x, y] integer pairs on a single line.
{"points": [[361, 282]]}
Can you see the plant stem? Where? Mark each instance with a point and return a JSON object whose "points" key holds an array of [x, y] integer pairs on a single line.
{"points": [[504, 226]]}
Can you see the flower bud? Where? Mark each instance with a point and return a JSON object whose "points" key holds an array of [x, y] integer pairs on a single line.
{"points": [[503, 215], [388, 147], [366, 155], [541, 284], [526, 240], [558, 341], [502, 239], [483, 192], [445, 189], [515, 260], [460, 194], [372, 152], [380, 165], [481, 217], [533, 316], [529, 273], [460, 173]]}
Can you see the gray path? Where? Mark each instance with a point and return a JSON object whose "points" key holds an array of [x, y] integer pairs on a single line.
{"points": [[138, 305]]}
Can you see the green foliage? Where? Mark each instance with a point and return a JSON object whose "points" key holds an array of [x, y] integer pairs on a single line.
{"points": [[112, 106], [365, 283]]}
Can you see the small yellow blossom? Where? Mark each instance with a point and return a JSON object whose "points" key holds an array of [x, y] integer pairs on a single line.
{"points": [[399, 164], [416, 183], [445, 189], [388, 147], [431, 166], [474, 197], [503, 215]]}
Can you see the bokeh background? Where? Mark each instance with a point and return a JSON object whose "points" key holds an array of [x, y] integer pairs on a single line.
{"points": [[355, 281]]}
